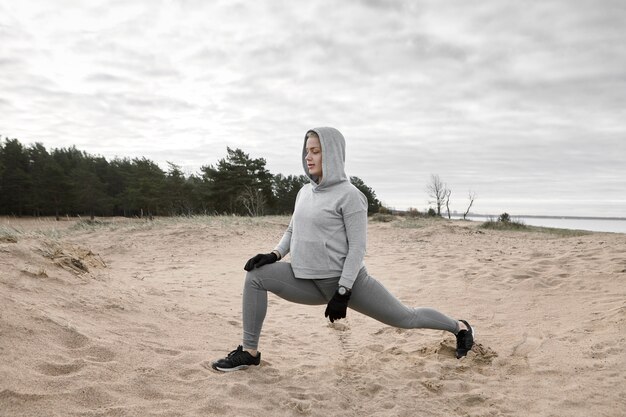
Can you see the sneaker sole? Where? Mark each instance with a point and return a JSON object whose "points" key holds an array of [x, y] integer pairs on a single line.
{"points": [[236, 368]]}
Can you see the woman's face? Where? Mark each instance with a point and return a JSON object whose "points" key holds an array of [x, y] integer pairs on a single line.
{"points": [[314, 156]]}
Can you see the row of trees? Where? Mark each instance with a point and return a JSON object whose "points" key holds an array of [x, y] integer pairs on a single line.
{"points": [[68, 181]]}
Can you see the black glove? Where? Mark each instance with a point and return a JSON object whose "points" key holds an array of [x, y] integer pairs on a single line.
{"points": [[260, 260], [337, 306]]}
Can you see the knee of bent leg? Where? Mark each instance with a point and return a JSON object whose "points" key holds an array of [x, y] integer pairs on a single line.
{"points": [[252, 278]]}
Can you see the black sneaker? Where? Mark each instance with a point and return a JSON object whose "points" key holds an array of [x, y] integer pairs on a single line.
{"points": [[236, 360], [464, 341]]}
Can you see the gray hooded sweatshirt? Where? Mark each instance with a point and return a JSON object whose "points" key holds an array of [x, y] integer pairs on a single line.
{"points": [[327, 234]]}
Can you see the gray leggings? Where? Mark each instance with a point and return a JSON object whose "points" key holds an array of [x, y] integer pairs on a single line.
{"points": [[369, 297]]}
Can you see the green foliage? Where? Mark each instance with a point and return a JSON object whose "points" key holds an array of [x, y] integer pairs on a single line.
{"points": [[432, 212], [89, 190], [67, 181], [504, 222], [178, 192], [286, 190], [16, 183], [238, 184], [373, 204], [413, 212], [497, 225], [146, 188], [413, 222], [383, 217], [519, 226]]}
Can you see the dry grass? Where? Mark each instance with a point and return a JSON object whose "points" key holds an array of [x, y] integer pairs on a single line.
{"points": [[73, 258], [8, 235], [520, 226]]}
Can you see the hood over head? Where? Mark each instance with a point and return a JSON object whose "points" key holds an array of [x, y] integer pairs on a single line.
{"points": [[333, 157]]}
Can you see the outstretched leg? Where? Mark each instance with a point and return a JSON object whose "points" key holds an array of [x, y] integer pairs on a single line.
{"points": [[371, 298]]}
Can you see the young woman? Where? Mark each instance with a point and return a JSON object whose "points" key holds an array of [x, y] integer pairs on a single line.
{"points": [[326, 238]]}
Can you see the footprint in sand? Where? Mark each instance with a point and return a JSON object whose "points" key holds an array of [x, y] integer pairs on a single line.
{"points": [[605, 349], [14, 396], [432, 386], [371, 389], [98, 354], [168, 352], [473, 400], [301, 407], [521, 277], [528, 345], [79, 347], [190, 374], [56, 369], [445, 347], [70, 338]]}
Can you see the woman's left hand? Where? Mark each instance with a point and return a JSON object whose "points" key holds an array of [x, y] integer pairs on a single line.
{"points": [[337, 307]]}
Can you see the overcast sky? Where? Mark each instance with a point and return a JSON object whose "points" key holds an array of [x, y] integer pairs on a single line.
{"points": [[521, 102]]}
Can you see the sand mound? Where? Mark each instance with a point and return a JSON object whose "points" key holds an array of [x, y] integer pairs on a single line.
{"points": [[71, 257]]}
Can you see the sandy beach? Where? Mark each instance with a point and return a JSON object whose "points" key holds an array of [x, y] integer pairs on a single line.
{"points": [[119, 318]]}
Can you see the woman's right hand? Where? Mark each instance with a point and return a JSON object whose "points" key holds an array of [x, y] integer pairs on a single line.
{"points": [[259, 260]]}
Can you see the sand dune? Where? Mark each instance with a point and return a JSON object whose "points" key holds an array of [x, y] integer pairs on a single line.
{"points": [[118, 319]]}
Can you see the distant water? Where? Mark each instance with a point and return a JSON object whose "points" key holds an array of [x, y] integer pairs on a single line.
{"points": [[594, 225]]}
